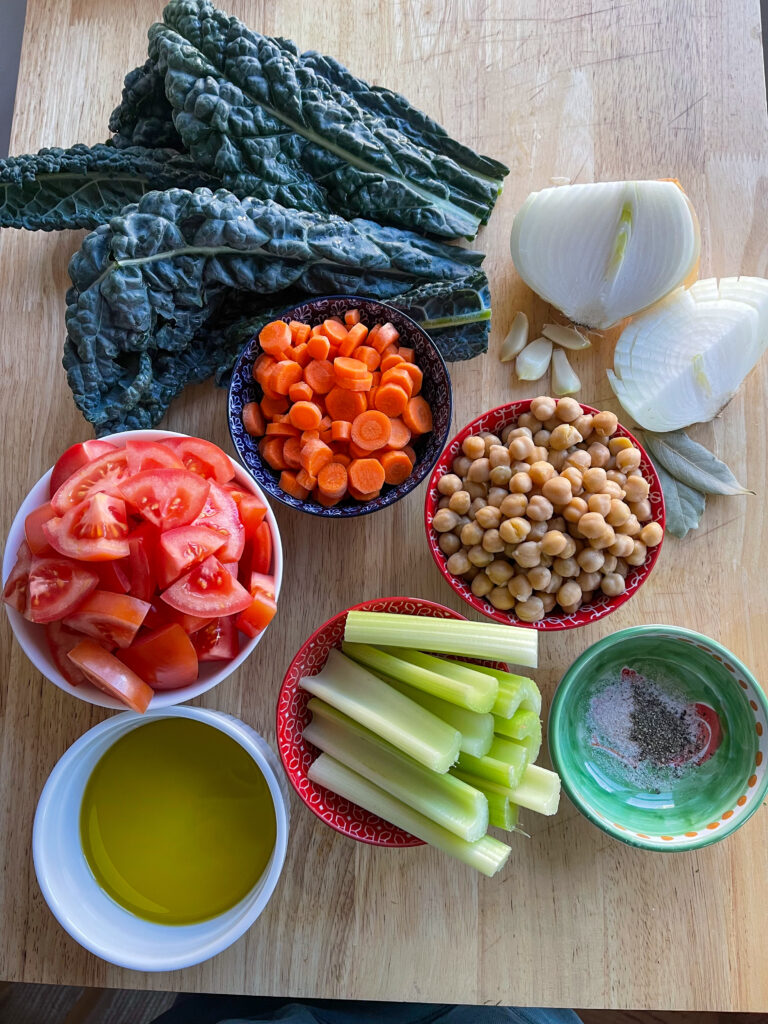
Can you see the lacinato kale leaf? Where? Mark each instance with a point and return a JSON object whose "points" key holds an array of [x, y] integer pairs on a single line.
{"points": [[82, 187], [144, 116], [145, 284], [254, 112], [456, 316]]}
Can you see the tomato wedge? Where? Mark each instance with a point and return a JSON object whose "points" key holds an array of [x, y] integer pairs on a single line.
{"points": [[161, 614], [261, 554], [182, 548], [15, 591], [73, 458], [166, 497], [251, 509], [258, 614], [208, 590], [110, 675], [96, 530], [165, 659], [112, 576], [220, 515], [61, 639], [143, 455], [142, 544], [217, 641], [33, 529], [112, 618], [202, 457], [57, 586], [102, 474]]}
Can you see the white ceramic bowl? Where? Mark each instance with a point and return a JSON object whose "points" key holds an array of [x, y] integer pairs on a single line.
{"points": [[31, 636], [76, 900]]}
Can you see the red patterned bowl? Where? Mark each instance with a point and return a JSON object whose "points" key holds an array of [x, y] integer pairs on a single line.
{"points": [[292, 716], [494, 422]]}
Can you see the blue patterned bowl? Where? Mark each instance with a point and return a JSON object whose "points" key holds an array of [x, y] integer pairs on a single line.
{"points": [[436, 389]]}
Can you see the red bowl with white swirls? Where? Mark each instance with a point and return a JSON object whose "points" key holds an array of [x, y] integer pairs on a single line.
{"points": [[494, 422], [292, 716]]}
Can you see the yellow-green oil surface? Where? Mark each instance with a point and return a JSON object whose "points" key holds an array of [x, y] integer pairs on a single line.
{"points": [[177, 822]]}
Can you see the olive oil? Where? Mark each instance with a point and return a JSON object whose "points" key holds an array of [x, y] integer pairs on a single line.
{"points": [[177, 822]]}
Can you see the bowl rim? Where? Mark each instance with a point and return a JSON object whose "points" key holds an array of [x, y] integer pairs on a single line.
{"points": [[421, 469], [119, 725], [546, 624], [555, 733], [161, 699]]}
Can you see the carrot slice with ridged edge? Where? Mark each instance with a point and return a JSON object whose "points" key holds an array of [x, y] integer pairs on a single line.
{"points": [[275, 337], [320, 376], [371, 430], [332, 480], [391, 400], [305, 415], [397, 467], [399, 435], [366, 476], [417, 416], [253, 419], [344, 405]]}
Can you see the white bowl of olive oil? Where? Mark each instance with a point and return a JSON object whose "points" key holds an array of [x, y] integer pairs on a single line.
{"points": [[159, 838]]}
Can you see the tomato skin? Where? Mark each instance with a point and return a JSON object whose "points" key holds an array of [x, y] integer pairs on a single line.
{"points": [[142, 560], [164, 659], [261, 558], [251, 509], [183, 547], [96, 530], [112, 618], [202, 457], [61, 639], [57, 587], [112, 576], [104, 473], [258, 615], [217, 641], [220, 515], [207, 590], [16, 589], [161, 614], [167, 498], [33, 529], [110, 675], [143, 455], [73, 458]]}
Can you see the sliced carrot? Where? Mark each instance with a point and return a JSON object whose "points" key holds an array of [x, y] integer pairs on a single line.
{"points": [[417, 416], [366, 475], [253, 419], [391, 399], [341, 457], [371, 430], [371, 396], [344, 405], [272, 452], [272, 407], [341, 430], [266, 382], [281, 429], [275, 338], [376, 378], [326, 435], [332, 480], [353, 340], [391, 361], [305, 415], [352, 317], [397, 467], [299, 355], [399, 436], [373, 334], [369, 356], [318, 346], [325, 422], [386, 335], [292, 452], [320, 376], [390, 350], [290, 484], [285, 373], [399, 375], [335, 331], [262, 363], [333, 351], [299, 332], [346, 368], [300, 392], [309, 435], [306, 479], [406, 354], [410, 453], [416, 376], [358, 331], [324, 500], [314, 455], [281, 417], [354, 383], [360, 496]]}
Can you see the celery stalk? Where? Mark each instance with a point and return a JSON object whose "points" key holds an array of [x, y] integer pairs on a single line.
{"points": [[532, 745], [524, 727], [442, 798], [476, 730], [452, 682], [445, 636], [487, 855], [368, 700], [504, 763], [514, 692], [502, 812], [538, 790]]}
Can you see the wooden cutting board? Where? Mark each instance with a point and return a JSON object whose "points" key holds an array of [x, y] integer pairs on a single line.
{"points": [[579, 90]]}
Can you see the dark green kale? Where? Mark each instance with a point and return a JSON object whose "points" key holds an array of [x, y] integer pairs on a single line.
{"points": [[144, 116]]}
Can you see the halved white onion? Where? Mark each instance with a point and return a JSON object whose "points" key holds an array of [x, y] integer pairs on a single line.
{"points": [[564, 378], [604, 251], [682, 361], [533, 361], [516, 340]]}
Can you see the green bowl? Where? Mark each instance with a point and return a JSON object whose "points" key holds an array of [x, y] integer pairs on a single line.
{"points": [[659, 736]]}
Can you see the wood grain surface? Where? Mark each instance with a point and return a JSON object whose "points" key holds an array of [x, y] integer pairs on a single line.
{"points": [[585, 90]]}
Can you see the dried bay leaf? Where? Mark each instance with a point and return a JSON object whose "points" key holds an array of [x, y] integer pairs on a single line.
{"points": [[683, 505], [691, 463]]}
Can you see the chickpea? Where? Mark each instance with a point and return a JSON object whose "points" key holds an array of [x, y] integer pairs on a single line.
{"points": [[548, 602], [521, 448], [636, 488], [555, 581], [459, 502], [539, 509], [537, 455], [491, 441], [568, 409], [506, 432], [471, 534], [557, 489], [474, 490], [496, 495], [492, 541], [520, 483], [594, 480], [606, 538], [541, 438], [538, 529], [444, 501], [575, 478], [461, 465], [488, 517], [520, 467], [605, 424], [553, 542], [569, 593], [590, 560], [651, 535], [574, 510], [570, 550], [520, 588], [632, 527], [588, 581], [586, 596], [619, 512], [515, 530], [514, 505], [501, 475], [481, 584], [463, 520], [566, 567], [527, 419], [546, 561], [498, 456], [501, 599], [583, 424], [609, 565], [628, 458], [543, 407], [580, 459], [539, 577], [556, 459], [613, 584], [444, 520], [551, 423], [477, 504], [641, 509], [519, 432], [638, 554], [592, 525], [557, 523], [449, 484], [478, 556], [458, 563], [473, 447], [622, 546], [612, 488], [564, 436], [479, 471], [540, 472], [616, 477], [599, 454], [617, 444], [599, 503], [571, 609], [449, 543], [622, 567], [531, 610], [500, 572], [527, 554]]}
